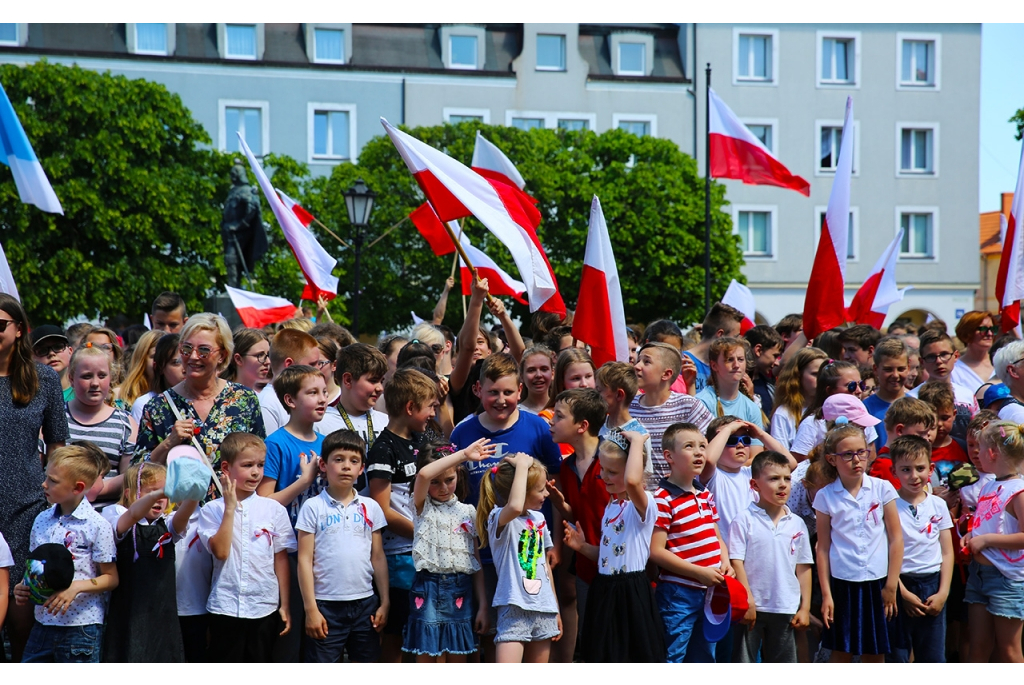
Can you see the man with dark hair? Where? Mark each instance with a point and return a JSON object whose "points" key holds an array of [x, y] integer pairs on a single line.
{"points": [[169, 313], [859, 345], [721, 321], [765, 351], [789, 327]]}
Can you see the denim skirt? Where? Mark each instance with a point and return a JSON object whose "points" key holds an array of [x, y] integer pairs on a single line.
{"points": [[440, 615]]}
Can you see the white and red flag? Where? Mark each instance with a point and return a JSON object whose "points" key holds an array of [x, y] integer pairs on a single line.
{"points": [[432, 230], [455, 191], [304, 217], [490, 162], [316, 263], [739, 297], [1010, 277], [737, 153], [871, 303], [256, 310], [824, 305], [498, 281], [600, 319]]}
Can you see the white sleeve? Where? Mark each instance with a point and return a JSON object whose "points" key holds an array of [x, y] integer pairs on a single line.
{"points": [[783, 428], [285, 540], [6, 558], [210, 517], [806, 437], [738, 539]]}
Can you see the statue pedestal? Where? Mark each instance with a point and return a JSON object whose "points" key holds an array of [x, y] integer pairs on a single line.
{"points": [[220, 303]]}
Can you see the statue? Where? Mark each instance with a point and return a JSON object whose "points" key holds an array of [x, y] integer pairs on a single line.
{"points": [[241, 229]]}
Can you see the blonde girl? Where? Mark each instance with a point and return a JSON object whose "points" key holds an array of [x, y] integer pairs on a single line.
{"points": [[860, 550], [107, 340], [511, 496], [794, 391], [537, 370], [141, 377], [995, 589]]}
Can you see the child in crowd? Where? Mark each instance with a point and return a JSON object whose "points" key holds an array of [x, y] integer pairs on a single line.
{"points": [[69, 625], [290, 346], [359, 372], [167, 372], [834, 378], [142, 621], [927, 568], [448, 572], [537, 371], [341, 558], [411, 398], [686, 545], [777, 546], [969, 493], [665, 331], [945, 448], [765, 350], [890, 369], [722, 395], [789, 327], [860, 551], [511, 495], [905, 416], [249, 537], [995, 590], [938, 358], [622, 625], [617, 384], [794, 391], [858, 344], [721, 321]]}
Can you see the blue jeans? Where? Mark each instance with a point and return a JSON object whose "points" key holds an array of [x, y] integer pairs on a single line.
{"points": [[349, 628], [64, 644], [682, 611], [926, 634]]}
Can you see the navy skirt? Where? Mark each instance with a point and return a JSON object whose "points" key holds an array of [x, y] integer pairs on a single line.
{"points": [[860, 626], [622, 623]]}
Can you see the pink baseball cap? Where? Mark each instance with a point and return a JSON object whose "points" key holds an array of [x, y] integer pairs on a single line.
{"points": [[851, 408]]}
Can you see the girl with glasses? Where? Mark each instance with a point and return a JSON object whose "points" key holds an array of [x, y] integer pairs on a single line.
{"points": [[250, 362], [977, 331]]}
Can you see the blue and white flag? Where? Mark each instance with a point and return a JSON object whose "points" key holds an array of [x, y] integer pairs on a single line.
{"points": [[16, 152]]}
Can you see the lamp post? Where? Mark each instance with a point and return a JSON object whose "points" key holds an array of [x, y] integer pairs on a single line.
{"points": [[359, 202]]}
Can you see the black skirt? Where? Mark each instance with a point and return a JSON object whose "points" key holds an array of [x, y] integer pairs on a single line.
{"points": [[860, 626], [622, 623]]}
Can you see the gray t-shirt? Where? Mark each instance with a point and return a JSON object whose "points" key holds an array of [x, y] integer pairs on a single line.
{"points": [[520, 561]]}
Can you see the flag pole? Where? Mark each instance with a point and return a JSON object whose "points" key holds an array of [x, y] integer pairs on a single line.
{"points": [[333, 234], [707, 189], [462, 252], [455, 259]]}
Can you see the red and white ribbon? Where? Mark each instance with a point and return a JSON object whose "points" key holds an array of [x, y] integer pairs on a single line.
{"points": [[873, 512], [793, 541], [193, 541], [933, 521], [466, 527], [366, 516], [159, 546], [268, 533]]}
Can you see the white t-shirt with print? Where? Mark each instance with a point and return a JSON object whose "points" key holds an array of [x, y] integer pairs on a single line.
{"points": [[625, 537]]}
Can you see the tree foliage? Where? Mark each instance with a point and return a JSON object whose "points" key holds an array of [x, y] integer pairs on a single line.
{"points": [[1018, 119]]}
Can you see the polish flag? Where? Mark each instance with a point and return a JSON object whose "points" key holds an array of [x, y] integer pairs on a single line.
{"points": [[304, 217], [600, 319], [498, 282], [737, 153], [739, 297], [256, 310], [871, 303], [824, 305], [316, 263], [490, 162], [456, 191], [1010, 278], [432, 230]]}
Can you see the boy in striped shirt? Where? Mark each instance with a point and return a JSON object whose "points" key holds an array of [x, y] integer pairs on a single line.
{"points": [[686, 545]]}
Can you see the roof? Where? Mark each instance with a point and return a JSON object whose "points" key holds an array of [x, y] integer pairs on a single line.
{"points": [[990, 242]]}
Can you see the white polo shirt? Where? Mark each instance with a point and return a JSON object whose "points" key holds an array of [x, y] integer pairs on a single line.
{"points": [[733, 495], [774, 551], [245, 584], [922, 524], [859, 550], [342, 540]]}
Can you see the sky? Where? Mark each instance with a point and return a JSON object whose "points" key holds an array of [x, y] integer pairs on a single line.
{"points": [[1002, 94]]}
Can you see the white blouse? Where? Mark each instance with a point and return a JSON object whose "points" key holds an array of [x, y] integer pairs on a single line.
{"points": [[444, 537]]}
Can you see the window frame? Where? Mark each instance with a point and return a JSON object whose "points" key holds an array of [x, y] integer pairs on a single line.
{"points": [[346, 42], [738, 80], [854, 237], [620, 70], [449, 112], [222, 135], [311, 109], [550, 118], [20, 36], [476, 52], [773, 230], [328, 60], [449, 31], [936, 40], [932, 126], [835, 123], [933, 210], [131, 32], [763, 121], [651, 119], [820, 37], [222, 43], [565, 49]]}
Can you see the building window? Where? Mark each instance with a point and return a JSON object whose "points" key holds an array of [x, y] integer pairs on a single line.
{"points": [[918, 59], [637, 128], [249, 122], [762, 132], [918, 235], [550, 52], [331, 134], [459, 118], [632, 59], [456, 115], [828, 139], [754, 58], [9, 34], [151, 39], [755, 231], [574, 124], [851, 232], [330, 45], [916, 151], [241, 41], [836, 54], [463, 52], [526, 123]]}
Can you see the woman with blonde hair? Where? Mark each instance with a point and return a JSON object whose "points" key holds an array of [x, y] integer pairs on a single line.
{"points": [[140, 377], [794, 391]]}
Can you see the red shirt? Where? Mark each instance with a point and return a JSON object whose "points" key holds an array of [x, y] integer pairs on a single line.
{"points": [[951, 452], [588, 499], [882, 468], [689, 519]]}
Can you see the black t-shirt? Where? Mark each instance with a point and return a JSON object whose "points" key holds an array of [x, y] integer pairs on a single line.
{"points": [[393, 458], [464, 402]]}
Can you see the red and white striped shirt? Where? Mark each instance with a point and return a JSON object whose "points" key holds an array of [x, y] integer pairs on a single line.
{"points": [[689, 519]]}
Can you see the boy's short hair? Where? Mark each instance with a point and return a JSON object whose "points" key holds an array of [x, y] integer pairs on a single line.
{"points": [[668, 440], [909, 411], [82, 460], [981, 420], [169, 302], [717, 423], [360, 359], [290, 343], [619, 376], [345, 440], [789, 324], [669, 356], [235, 444], [497, 366], [908, 447], [717, 317], [664, 331], [408, 385], [290, 380], [553, 339], [585, 404], [862, 335], [336, 332], [938, 394], [763, 335], [932, 336], [767, 458], [890, 347]]}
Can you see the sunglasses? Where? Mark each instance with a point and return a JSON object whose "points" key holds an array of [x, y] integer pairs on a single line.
{"points": [[4, 323], [435, 348], [852, 386], [203, 351], [734, 440], [988, 329], [46, 351]]}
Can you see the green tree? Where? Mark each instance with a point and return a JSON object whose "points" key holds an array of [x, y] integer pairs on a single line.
{"points": [[1018, 119]]}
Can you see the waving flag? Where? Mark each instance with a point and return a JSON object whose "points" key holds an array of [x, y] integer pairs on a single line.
{"points": [[600, 319], [6, 277], [737, 153], [316, 263], [490, 162], [304, 217], [256, 310], [432, 230], [824, 305], [871, 303], [1010, 277], [16, 152], [498, 282], [739, 296]]}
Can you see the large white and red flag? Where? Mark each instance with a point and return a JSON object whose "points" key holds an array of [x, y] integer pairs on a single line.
{"points": [[1010, 277], [600, 319], [871, 303], [739, 296], [456, 191], [432, 230], [316, 263], [737, 153], [300, 212], [256, 310], [498, 281], [824, 305]]}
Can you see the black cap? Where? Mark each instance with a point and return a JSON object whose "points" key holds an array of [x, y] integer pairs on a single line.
{"points": [[42, 333], [59, 565]]}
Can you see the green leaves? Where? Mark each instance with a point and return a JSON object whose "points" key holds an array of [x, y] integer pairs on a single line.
{"points": [[1018, 119]]}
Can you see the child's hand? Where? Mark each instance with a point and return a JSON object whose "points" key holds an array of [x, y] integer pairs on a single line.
{"points": [[479, 288], [801, 620], [828, 609], [556, 496], [230, 495], [573, 537], [321, 305], [316, 625], [747, 383], [520, 460], [965, 542], [709, 576], [688, 371], [933, 605], [21, 594], [380, 617], [976, 543], [309, 467], [751, 615], [449, 283], [442, 388], [889, 601], [636, 435], [727, 568], [912, 603], [558, 637], [482, 621], [479, 450], [59, 602], [286, 619], [553, 558], [496, 307]]}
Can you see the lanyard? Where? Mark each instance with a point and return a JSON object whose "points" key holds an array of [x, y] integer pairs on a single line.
{"points": [[369, 424]]}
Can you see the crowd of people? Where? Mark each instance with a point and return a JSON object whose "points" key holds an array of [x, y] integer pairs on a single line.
{"points": [[288, 494]]}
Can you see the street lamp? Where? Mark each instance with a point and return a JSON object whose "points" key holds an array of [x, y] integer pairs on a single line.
{"points": [[359, 202]]}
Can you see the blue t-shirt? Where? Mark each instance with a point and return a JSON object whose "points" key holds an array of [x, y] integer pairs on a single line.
{"points": [[703, 374], [283, 465], [877, 407], [742, 408]]}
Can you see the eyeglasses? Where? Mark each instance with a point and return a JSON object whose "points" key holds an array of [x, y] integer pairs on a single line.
{"points": [[734, 440], [940, 357], [435, 348], [861, 455], [203, 351], [46, 351], [262, 357], [106, 347], [4, 323], [852, 386], [321, 363], [992, 330]]}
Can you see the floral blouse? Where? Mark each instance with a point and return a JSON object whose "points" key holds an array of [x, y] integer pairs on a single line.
{"points": [[235, 410]]}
